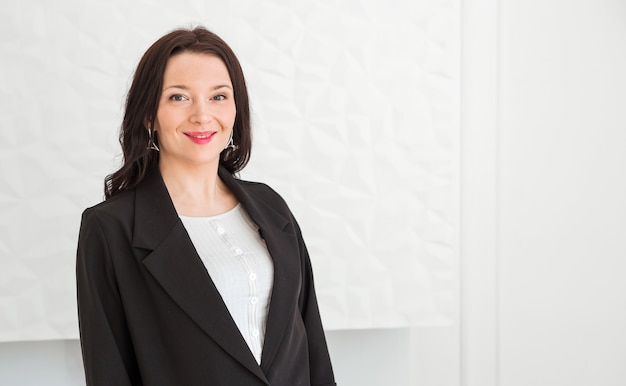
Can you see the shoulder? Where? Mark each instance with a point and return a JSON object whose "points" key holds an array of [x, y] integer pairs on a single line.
{"points": [[119, 208], [117, 203], [259, 191], [259, 188]]}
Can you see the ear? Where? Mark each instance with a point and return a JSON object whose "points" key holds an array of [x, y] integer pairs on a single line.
{"points": [[146, 123]]}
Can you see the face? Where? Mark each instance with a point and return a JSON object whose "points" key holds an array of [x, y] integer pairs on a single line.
{"points": [[196, 111]]}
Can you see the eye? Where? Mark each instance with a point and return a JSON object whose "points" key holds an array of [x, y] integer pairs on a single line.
{"points": [[220, 97], [177, 98]]}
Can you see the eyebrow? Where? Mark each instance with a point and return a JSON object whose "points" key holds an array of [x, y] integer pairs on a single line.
{"points": [[183, 87]]}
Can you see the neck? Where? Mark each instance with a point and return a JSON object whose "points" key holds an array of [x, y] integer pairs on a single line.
{"points": [[197, 191]]}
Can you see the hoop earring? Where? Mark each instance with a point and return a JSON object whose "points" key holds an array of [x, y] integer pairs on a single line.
{"points": [[151, 143]]}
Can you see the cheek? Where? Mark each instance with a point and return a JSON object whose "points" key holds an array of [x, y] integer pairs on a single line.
{"points": [[226, 116], [164, 118], [232, 115]]}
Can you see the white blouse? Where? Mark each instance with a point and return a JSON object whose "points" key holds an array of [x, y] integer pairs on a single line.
{"points": [[239, 264]]}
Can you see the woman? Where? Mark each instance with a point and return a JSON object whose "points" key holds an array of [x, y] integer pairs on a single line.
{"points": [[187, 275]]}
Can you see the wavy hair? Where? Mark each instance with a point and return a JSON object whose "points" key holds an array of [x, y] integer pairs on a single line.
{"points": [[143, 98]]}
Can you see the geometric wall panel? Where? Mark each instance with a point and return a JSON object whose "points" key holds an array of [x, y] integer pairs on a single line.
{"points": [[356, 123]]}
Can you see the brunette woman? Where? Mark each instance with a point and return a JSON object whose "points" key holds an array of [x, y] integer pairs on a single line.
{"points": [[186, 274]]}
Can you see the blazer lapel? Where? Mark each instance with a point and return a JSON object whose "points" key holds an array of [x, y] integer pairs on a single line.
{"points": [[175, 264], [282, 245]]}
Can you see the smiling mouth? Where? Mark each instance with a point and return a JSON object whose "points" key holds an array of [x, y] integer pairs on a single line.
{"points": [[201, 137]]}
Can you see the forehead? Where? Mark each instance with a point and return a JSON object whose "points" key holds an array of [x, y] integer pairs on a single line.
{"points": [[191, 67]]}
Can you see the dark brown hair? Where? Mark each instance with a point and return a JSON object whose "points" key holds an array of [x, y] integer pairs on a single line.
{"points": [[142, 102]]}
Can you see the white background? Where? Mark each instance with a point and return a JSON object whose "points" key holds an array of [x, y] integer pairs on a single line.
{"points": [[543, 217], [355, 112]]}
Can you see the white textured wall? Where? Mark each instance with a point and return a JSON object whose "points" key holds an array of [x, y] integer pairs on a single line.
{"points": [[355, 110], [356, 116], [542, 216]]}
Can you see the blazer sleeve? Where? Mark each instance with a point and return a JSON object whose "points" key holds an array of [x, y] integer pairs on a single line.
{"points": [[107, 350], [319, 358]]}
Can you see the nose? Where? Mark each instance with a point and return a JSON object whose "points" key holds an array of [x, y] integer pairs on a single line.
{"points": [[201, 112]]}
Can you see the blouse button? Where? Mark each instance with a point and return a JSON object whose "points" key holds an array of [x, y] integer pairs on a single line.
{"points": [[220, 231], [238, 251], [255, 333], [252, 276], [253, 300]]}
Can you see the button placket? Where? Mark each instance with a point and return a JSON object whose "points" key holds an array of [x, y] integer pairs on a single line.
{"points": [[252, 282]]}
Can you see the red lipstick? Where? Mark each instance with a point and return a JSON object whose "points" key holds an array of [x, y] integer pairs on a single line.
{"points": [[200, 137]]}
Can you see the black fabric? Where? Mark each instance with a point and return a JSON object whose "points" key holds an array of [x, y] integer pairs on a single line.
{"points": [[150, 314]]}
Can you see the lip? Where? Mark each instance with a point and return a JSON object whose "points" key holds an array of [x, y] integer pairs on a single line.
{"points": [[200, 137]]}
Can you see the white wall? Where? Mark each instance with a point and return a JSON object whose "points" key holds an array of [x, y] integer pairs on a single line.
{"points": [[39, 363], [543, 216], [562, 193], [355, 111], [425, 356], [383, 358]]}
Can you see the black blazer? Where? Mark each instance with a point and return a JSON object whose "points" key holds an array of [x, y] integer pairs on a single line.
{"points": [[149, 313]]}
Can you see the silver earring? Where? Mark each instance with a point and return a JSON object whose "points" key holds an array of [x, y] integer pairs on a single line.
{"points": [[151, 143], [231, 144]]}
